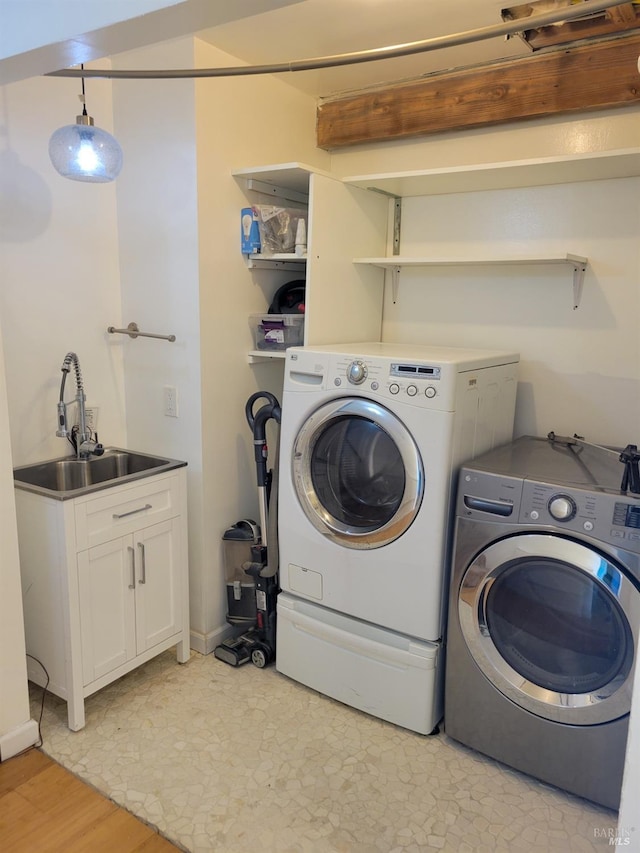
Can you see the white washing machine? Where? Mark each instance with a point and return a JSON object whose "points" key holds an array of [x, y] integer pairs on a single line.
{"points": [[371, 439]]}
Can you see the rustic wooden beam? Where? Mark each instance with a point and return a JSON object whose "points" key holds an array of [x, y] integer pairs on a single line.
{"points": [[573, 31], [609, 22], [622, 15], [596, 76]]}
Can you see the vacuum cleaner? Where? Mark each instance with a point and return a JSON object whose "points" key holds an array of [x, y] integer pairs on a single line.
{"points": [[252, 583]]}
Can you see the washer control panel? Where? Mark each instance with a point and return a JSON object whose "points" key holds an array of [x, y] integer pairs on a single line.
{"points": [[421, 384], [603, 516]]}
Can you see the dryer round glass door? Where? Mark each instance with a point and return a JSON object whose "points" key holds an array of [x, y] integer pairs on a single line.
{"points": [[553, 624], [357, 473]]}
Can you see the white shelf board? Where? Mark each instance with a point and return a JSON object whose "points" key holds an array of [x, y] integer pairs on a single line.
{"points": [[284, 260], [403, 261], [590, 166], [395, 263], [257, 355], [293, 176]]}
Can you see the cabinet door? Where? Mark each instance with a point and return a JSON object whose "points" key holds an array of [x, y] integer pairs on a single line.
{"points": [[158, 587], [107, 607]]}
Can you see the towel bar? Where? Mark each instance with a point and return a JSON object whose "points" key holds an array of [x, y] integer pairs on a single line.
{"points": [[134, 332]]}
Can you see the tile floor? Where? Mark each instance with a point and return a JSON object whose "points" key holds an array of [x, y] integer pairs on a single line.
{"points": [[247, 761]]}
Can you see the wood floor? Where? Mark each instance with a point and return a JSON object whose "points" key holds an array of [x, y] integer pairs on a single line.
{"points": [[46, 809]]}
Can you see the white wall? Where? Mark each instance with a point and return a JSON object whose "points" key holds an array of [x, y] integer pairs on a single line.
{"points": [[17, 731], [60, 280], [158, 239], [241, 122], [182, 273], [579, 370], [628, 815], [561, 135], [60, 290], [80, 257]]}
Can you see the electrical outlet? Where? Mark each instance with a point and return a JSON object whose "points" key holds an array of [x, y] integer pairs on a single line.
{"points": [[170, 401], [91, 417]]}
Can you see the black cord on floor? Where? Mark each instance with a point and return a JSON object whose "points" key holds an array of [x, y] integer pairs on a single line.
{"points": [[44, 693]]}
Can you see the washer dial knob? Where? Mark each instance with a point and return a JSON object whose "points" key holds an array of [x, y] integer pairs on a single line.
{"points": [[562, 507], [357, 372]]}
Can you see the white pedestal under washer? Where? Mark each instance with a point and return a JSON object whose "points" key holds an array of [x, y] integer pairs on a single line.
{"points": [[372, 436], [544, 614]]}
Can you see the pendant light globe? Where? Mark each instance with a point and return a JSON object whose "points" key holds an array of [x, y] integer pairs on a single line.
{"points": [[82, 152]]}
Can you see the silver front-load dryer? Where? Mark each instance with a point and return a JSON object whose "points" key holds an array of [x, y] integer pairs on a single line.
{"points": [[544, 613]]}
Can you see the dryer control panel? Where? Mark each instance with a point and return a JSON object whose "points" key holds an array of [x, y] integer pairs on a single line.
{"points": [[613, 519], [423, 385], [599, 515], [440, 379]]}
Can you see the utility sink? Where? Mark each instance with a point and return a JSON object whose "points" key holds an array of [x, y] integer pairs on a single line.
{"points": [[69, 477]]}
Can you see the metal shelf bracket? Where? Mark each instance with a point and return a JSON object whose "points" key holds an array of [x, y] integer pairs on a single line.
{"points": [[578, 281], [395, 282]]}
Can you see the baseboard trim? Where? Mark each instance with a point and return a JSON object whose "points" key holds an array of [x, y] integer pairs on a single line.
{"points": [[204, 644], [19, 739]]}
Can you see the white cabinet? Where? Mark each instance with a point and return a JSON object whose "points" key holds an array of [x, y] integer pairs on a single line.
{"points": [[115, 625], [105, 583], [343, 302]]}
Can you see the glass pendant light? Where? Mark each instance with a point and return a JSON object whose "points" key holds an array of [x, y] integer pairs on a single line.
{"points": [[82, 152]]}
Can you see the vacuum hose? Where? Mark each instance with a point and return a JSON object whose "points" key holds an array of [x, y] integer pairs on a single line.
{"points": [[267, 490], [258, 424]]}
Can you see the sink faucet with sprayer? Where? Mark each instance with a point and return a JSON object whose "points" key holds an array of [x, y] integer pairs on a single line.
{"points": [[79, 435]]}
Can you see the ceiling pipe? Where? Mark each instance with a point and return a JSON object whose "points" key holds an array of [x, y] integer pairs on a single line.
{"points": [[569, 13]]}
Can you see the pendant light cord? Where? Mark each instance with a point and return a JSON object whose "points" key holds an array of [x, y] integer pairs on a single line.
{"points": [[84, 99], [568, 13]]}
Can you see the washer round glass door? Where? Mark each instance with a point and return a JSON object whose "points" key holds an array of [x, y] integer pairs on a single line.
{"points": [[357, 473], [553, 625]]}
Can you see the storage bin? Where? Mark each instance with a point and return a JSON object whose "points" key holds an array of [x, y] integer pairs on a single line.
{"points": [[278, 227], [277, 331]]}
